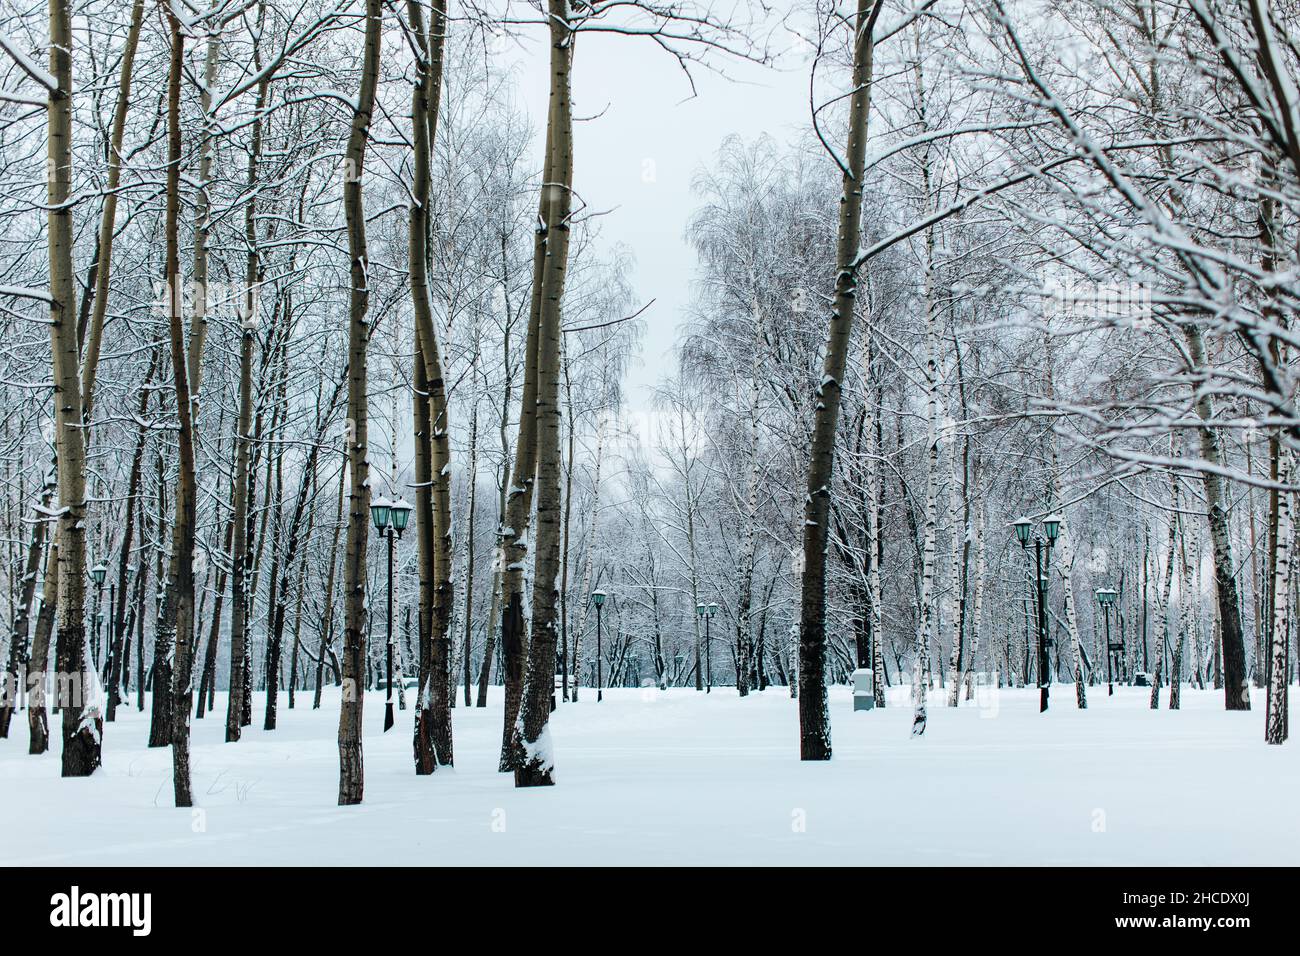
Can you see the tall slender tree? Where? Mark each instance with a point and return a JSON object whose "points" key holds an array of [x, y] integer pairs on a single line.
{"points": [[814, 716], [351, 761]]}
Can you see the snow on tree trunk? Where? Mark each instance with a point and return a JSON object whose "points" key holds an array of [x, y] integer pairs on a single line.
{"points": [[959, 534], [977, 602], [1162, 596], [351, 761], [534, 761], [874, 546], [926, 626], [81, 731], [745, 564], [1277, 716], [814, 716], [433, 733], [1065, 567], [180, 584]]}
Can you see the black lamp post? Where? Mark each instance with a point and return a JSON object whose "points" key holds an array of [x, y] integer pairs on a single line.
{"points": [[111, 632], [707, 611], [1106, 598], [1051, 531], [390, 519], [598, 601], [97, 574], [699, 612]]}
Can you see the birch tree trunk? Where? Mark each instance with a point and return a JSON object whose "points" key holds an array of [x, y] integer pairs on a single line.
{"points": [[163, 721], [180, 587], [814, 717], [1186, 622], [977, 600], [926, 626], [470, 508], [239, 700], [1236, 691], [80, 709], [351, 762], [534, 760], [958, 510], [570, 460], [875, 543], [426, 542], [519, 497], [689, 499], [745, 564], [1162, 596], [1065, 568], [1277, 712], [433, 736], [37, 676]]}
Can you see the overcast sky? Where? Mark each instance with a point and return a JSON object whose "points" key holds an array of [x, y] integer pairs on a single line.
{"points": [[638, 156]]}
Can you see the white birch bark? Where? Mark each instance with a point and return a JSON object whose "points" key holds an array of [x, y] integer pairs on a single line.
{"points": [[977, 599], [1162, 597], [1277, 718], [1065, 567], [959, 531], [925, 627], [874, 590]]}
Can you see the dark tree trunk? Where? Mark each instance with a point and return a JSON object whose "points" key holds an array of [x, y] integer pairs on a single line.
{"points": [[814, 718]]}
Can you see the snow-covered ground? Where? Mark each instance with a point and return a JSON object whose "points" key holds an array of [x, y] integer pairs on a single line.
{"points": [[680, 778]]}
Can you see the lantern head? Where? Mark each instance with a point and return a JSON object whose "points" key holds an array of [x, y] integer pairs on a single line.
{"points": [[381, 509], [400, 512], [1024, 528]]}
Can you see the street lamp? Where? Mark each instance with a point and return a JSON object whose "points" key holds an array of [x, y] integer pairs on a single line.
{"points": [[1106, 598], [707, 611], [598, 601], [97, 574], [390, 519], [700, 610], [1024, 528]]}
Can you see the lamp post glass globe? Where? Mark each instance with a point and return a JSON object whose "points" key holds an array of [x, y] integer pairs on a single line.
{"points": [[400, 512], [1052, 527], [1024, 527], [712, 608], [97, 573], [381, 510], [699, 609], [598, 598]]}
